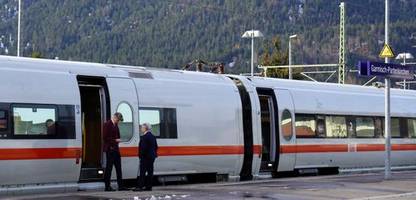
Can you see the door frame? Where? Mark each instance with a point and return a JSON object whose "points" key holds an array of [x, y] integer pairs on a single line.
{"points": [[270, 92], [101, 84]]}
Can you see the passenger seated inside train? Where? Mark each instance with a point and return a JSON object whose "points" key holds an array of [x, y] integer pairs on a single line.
{"points": [[50, 127]]}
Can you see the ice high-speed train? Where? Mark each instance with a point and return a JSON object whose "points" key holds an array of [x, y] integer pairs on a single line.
{"points": [[232, 127]]}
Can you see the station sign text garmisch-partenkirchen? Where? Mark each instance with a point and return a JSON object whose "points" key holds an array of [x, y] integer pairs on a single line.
{"points": [[369, 68]]}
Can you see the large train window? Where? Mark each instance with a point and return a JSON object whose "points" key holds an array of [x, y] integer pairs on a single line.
{"points": [[34, 120], [305, 126], [126, 126], [364, 127], [163, 121], [38, 121], [287, 125], [3, 120], [336, 127]]}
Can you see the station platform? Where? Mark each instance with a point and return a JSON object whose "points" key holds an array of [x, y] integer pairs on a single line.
{"points": [[369, 186]]}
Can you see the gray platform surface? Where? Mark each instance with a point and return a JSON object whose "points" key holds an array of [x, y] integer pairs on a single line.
{"points": [[354, 186]]}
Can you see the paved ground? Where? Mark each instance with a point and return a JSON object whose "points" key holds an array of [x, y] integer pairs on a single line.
{"points": [[356, 187]]}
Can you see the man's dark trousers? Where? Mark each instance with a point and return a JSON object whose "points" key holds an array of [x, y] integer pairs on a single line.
{"points": [[113, 158], [146, 166]]}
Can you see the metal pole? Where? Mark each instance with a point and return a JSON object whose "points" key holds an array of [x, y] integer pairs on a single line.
{"points": [[290, 58], [404, 63], [341, 56], [18, 27], [252, 55], [387, 173]]}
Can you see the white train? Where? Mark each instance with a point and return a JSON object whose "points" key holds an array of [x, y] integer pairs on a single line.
{"points": [[51, 116]]}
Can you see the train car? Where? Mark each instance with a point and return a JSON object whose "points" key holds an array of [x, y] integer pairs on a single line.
{"points": [[325, 126], [227, 126]]}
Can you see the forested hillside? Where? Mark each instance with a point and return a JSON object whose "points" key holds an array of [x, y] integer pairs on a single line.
{"points": [[171, 33]]}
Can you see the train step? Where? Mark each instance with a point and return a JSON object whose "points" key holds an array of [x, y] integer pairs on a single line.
{"points": [[91, 174]]}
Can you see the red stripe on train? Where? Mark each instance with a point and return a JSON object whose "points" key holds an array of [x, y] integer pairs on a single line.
{"points": [[39, 153], [192, 150], [66, 153], [333, 148]]}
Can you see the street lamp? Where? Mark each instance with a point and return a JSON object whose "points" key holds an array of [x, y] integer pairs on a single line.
{"points": [[252, 34], [290, 55], [18, 27], [404, 56]]}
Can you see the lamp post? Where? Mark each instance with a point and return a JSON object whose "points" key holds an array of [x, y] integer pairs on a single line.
{"points": [[252, 34], [18, 27], [404, 56], [290, 55]]}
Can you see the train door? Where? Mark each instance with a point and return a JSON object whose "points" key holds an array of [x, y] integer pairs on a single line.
{"points": [[270, 139], [94, 112], [286, 129], [124, 99]]}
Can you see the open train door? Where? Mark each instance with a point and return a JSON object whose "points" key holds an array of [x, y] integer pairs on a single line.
{"points": [[124, 99], [286, 118], [269, 130]]}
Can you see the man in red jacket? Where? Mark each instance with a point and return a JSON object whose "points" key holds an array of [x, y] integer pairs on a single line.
{"points": [[111, 139]]}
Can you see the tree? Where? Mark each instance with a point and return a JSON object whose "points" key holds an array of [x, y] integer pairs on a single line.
{"points": [[278, 56], [36, 54]]}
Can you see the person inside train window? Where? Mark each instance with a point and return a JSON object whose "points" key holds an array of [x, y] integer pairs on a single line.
{"points": [[50, 127], [351, 127], [32, 120], [320, 126]]}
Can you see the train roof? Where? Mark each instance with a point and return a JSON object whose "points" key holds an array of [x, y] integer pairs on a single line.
{"points": [[321, 86], [105, 70], [113, 70]]}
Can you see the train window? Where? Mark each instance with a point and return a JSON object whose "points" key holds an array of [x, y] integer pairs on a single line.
{"points": [[351, 126], [34, 120], [320, 126], [395, 128], [153, 118], [365, 127], [411, 127], [287, 130], [163, 121], [126, 126], [379, 127], [336, 127], [305, 126], [3, 120]]}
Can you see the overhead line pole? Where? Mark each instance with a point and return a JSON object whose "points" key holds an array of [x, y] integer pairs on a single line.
{"points": [[387, 131], [252, 56]]}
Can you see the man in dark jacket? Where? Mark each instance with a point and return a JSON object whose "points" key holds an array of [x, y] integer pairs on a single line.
{"points": [[111, 137], [147, 154]]}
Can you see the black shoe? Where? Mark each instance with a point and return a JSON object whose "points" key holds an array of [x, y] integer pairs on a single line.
{"points": [[147, 189], [138, 189], [109, 189], [122, 189]]}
